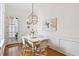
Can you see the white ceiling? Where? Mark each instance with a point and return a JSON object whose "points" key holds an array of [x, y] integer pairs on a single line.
{"points": [[17, 9]]}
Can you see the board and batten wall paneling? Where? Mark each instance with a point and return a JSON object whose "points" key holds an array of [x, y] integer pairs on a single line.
{"points": [[69, 47]]}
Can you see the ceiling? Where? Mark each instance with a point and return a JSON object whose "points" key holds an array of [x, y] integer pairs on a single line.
{"points": [[17, 9]]}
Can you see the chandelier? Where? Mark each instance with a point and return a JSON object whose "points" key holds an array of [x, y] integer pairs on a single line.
{"points": [[33, 18]]}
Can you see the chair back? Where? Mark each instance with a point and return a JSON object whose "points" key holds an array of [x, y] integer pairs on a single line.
{"points": [[44, 44], [26, 42]]}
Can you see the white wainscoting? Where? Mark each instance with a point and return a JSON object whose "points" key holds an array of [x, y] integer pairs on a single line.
{"points": [[69, 47], [66, 46]]}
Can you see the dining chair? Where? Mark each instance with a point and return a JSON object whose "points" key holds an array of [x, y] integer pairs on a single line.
{"points": [[43, 47], [37, 48], [26, 48], [27, 51]]}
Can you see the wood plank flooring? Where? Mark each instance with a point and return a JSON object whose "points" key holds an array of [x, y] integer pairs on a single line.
{"points": [[15, 50]]}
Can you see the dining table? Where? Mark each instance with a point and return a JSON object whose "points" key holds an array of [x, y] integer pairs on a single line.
{"points": [[33, 41]]}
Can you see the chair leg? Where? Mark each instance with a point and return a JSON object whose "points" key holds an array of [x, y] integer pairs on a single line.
{"points": [[44, 52], [27, 52]]}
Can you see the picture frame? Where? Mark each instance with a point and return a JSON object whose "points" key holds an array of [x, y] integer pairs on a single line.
{"points": [[51, 25]]}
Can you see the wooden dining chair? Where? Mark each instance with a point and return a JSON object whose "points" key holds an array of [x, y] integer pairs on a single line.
{"points": [[26, 51], [27, 48], [37, 48], [43, 47]]}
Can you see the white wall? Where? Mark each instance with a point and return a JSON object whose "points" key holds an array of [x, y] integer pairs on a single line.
{"points": [[67, 15]]}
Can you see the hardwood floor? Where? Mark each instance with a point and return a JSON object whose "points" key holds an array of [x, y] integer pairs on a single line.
{"points": [[52, 52], [12, 49], [15, 50]]}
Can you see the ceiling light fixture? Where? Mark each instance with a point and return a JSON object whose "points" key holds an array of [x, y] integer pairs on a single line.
{"points": [[33, 18]]}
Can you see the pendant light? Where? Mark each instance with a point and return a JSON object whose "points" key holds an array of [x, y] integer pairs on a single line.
{"points": [[33, 18]]}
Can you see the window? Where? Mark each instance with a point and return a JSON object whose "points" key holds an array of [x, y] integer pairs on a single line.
{"points": [[13, 27]]}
